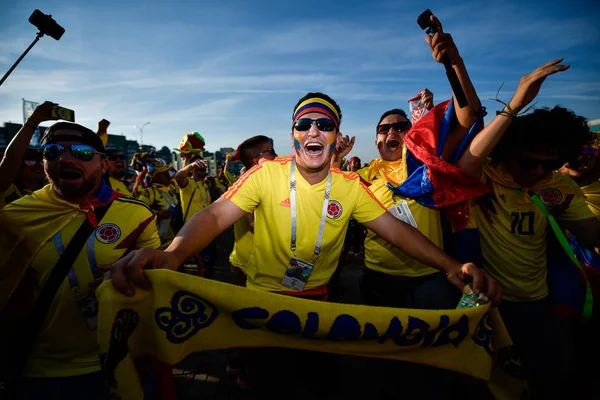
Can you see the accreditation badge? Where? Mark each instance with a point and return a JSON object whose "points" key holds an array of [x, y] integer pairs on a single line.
{"points": [[402, 212], [297, 274]]}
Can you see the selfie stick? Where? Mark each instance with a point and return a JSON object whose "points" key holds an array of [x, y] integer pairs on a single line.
{"points": [[38, 36], [424, 21]]}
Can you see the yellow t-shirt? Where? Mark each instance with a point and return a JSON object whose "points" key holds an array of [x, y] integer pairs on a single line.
{"points": [[513, 232], [230, 178], [384, 257], [244, 242], [198, 193], [119, 186], [9, 195], [592, 197], [66, 346], [265, 190], [159, 197]]}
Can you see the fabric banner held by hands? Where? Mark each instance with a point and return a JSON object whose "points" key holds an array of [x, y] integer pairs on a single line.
{"points": [[183, 314]]}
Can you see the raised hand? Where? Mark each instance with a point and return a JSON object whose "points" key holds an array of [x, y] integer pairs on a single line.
{"points": [[103, 126], [344, 147], [442, 45], [42, 113], [427, 98], [530, 84]]}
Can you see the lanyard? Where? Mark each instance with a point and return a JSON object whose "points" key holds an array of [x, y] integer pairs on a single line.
{"points": [[317, 251], [207, 194], [60, 249], [588, 303]]}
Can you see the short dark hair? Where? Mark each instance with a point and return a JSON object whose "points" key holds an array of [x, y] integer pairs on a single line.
{"points": [[395, 111], [248, 148], [323, 96], [555, 128]]}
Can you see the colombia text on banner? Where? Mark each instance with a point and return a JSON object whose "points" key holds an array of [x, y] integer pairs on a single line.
{"points": [[184, 314]]}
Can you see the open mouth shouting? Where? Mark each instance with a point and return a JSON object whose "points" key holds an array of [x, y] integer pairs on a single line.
{"points": [[394, 144], [69, 175], [313, 149]]}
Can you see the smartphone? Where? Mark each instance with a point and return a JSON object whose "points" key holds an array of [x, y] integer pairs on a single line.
{"points": [[59, 112]]}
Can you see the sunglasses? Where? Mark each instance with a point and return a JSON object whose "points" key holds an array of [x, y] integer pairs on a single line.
{"points": [[527, 164], [82, 152], [114, 157], [323, 124], [272, 151], [31, 163], [399, 126]]}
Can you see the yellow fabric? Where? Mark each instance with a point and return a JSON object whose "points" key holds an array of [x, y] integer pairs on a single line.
{"points": [[393, 172], [592, 197], [219, 316], [9, 195], [158, 198], [104, 138], [513, 230], [244, 243], [66, 346], [119, 186], [265, 190], [230, 178], [379, 254], [200, 199]]}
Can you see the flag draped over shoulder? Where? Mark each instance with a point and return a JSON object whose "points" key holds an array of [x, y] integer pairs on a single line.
{"points": [[432, 181], [29, 222], [183, 314]]}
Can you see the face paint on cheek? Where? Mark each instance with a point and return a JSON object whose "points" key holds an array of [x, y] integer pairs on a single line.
{"points": [[332, 142], [379, 143], [298, 136]]}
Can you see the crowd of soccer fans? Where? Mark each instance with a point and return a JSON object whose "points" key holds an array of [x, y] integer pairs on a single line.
{"points": [[508, 209]]}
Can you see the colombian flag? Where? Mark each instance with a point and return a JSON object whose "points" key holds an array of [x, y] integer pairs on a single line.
{"points": [[432, 181]]}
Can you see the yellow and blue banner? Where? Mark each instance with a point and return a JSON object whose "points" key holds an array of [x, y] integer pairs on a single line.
{"points": [[183, 314]]}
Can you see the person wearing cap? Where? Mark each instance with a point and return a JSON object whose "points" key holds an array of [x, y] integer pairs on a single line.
{"points": [[117, 170], [355, 164], [63, 361], [301, 207], [20, 167], [162, 197]]}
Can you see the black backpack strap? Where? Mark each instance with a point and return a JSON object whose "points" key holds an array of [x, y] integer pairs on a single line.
{"points": [[187, 209]]}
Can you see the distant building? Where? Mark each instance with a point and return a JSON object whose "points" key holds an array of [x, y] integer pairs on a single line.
{"points": [[10, 129], [594, 125]]}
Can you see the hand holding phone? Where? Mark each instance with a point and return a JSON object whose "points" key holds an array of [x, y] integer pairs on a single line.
{"points": [[63, 113]]}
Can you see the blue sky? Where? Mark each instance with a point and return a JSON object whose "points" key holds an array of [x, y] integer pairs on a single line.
{"points": [[234, 69]]}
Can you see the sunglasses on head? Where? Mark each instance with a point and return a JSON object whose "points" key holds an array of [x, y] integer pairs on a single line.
{"points": [[399, 126], [271, 150], [323, 124], [527, 164], [82, 152]]}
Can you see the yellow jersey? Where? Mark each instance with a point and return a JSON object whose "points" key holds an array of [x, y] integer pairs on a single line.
{"points": [[158, 198], [513, 229], [119, 186], [244, 242], [384, 257], [194, 197], [592, 197], [265, 190], [11, 194], [66, 345]]}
